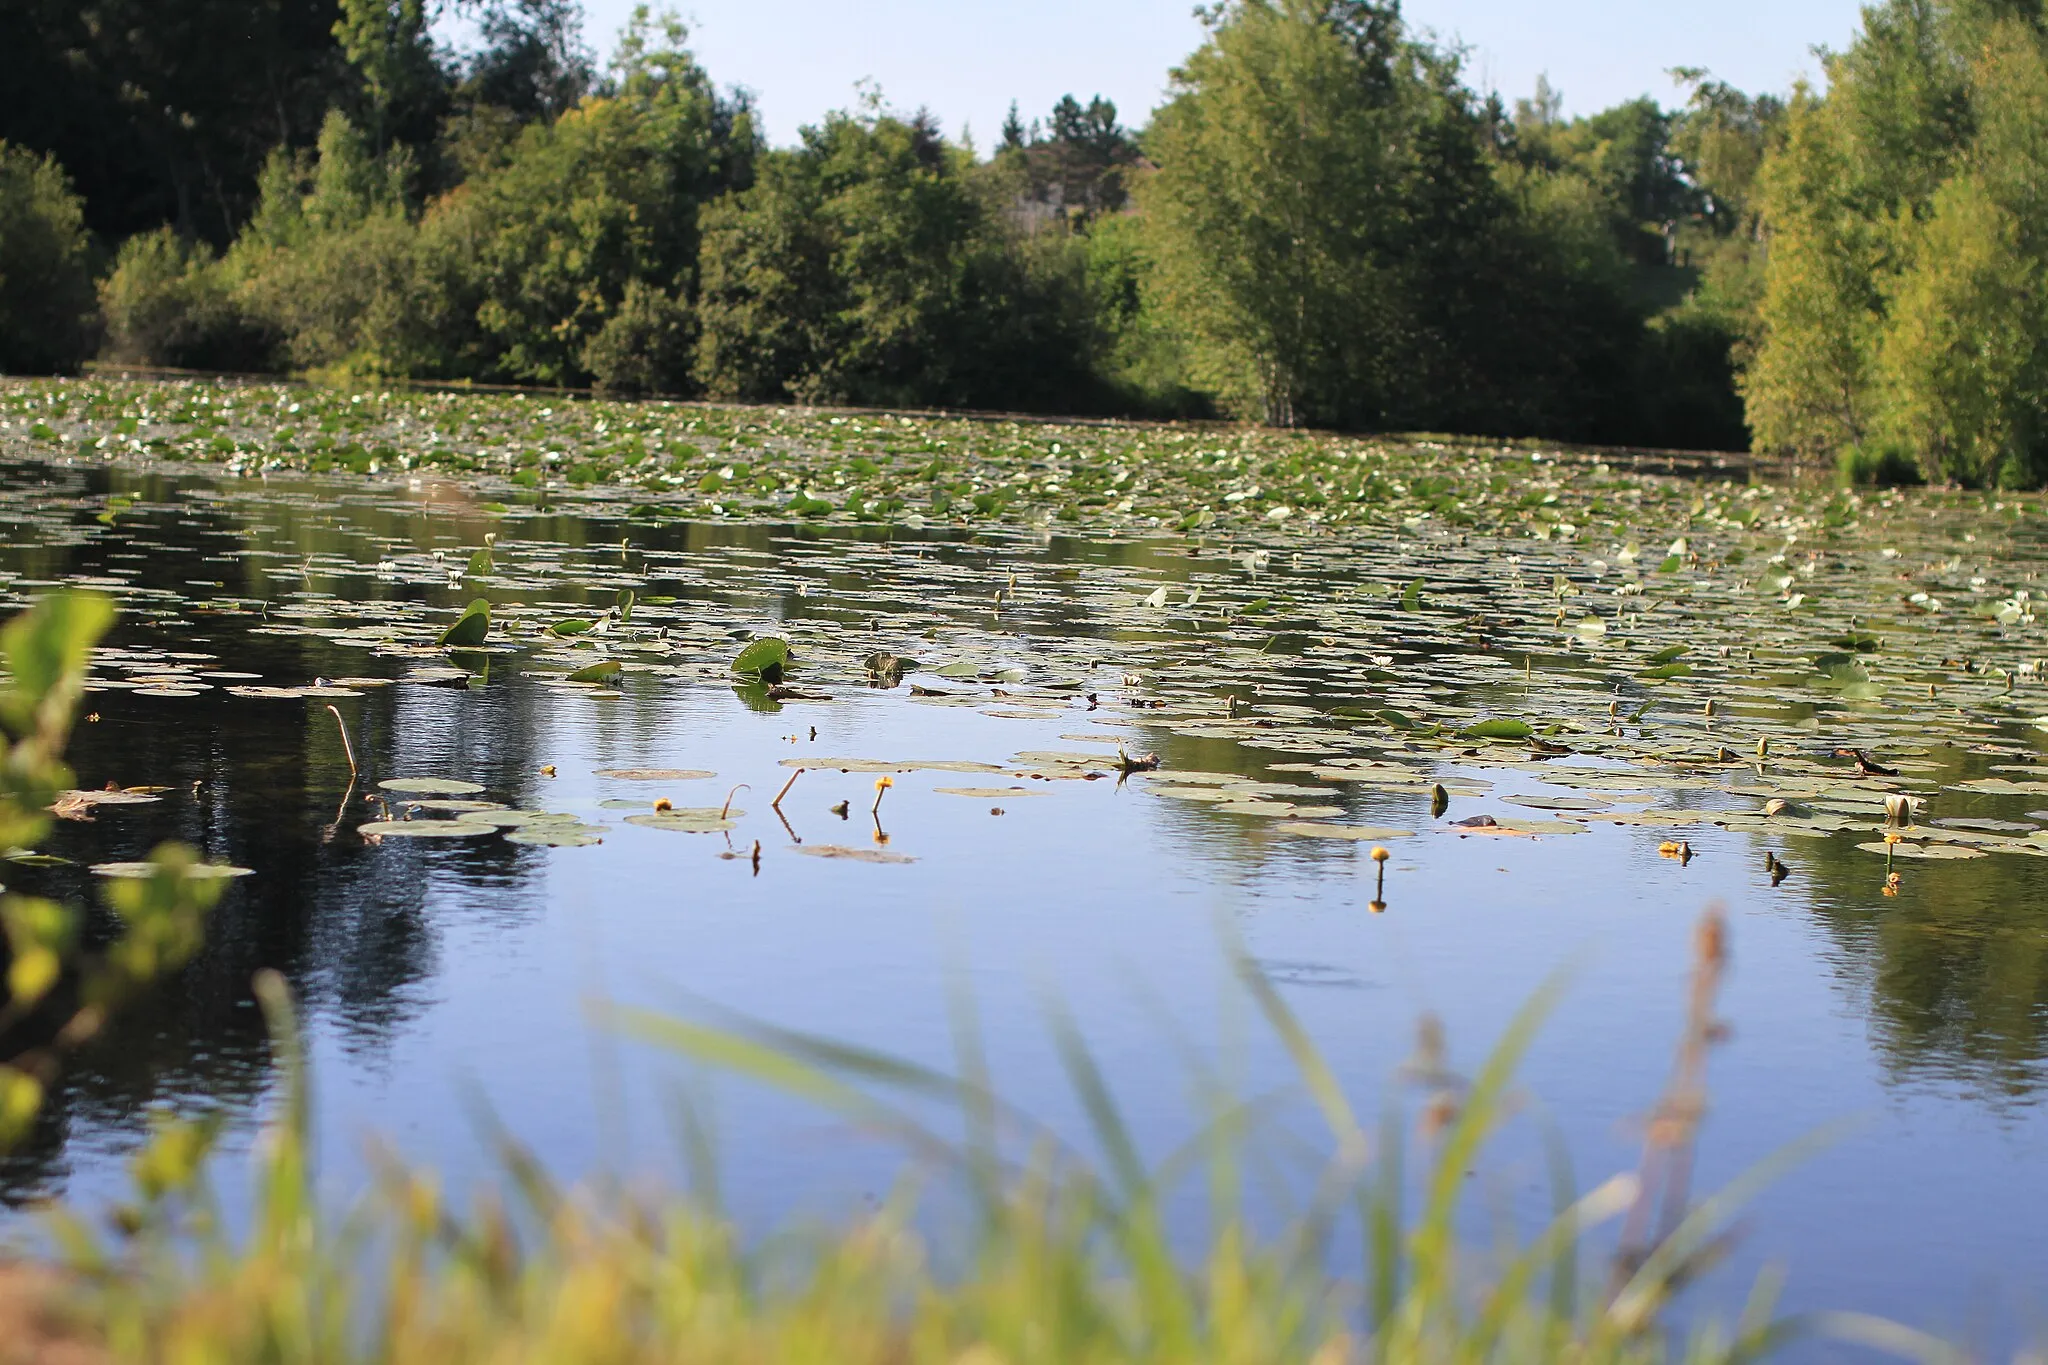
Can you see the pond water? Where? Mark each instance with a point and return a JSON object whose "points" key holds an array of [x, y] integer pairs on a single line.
{"points": [[1295, 691]]}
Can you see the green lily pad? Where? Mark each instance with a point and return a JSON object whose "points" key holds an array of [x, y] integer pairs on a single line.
{"points": [[471, 628], [430, 786], [556, 834], [1499, 728], [425, 829], [194, 872], [686, 821], [767, 659]]}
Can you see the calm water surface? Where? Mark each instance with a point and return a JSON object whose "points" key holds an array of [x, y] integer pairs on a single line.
{"points": [[443, 980]]}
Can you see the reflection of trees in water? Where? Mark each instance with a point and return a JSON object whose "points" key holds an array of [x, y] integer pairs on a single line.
{"points": [[1955, 968], [351, 927]]}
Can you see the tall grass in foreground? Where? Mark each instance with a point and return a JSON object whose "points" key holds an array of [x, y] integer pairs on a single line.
{"points": [[1066, 1258]]}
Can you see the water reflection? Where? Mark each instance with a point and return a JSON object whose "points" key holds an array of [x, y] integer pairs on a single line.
{"points": [[1952, 973]]}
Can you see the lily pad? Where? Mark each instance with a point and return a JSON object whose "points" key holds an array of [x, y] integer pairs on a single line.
{"points": [[424, 829], [706, 821], [556, 834], [474, 625], [654, 774], [193, 872], [767, 659], [853, 855], [430, 786]]}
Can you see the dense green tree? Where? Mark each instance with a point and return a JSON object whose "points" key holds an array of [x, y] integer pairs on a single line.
{"points": [[532, 61], [1275, 232], [1901, 319], [47, 318], [1075, 166], [540, 249], [1338, 237], [162, 111], [865, 266]]}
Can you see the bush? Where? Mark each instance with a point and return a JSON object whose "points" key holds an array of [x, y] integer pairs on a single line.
{"points": [[1886, 463], [168, 302], [644, 347], [48, 321]]}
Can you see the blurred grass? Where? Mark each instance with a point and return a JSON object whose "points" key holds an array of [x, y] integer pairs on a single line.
{"points": [[1065, 1256]]}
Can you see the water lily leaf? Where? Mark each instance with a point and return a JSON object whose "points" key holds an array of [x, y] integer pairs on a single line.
{"points": [[1929, 852], [1668, 654], [705, 821], [601, 671], [1670, 670], [767, 659], [654, 774], [990, 793], [430, 786], [471, 627], [553, 834], [479, 564], [193, 871], [853, 855], [425, 829], [574, 625], [1367, 832], [517, 819], [625, 604], [1498, 728]]}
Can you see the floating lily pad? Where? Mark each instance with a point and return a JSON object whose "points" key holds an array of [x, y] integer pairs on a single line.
{"points": [[1365, 832], [556, 834], [853, 855], [425, 829], [430, 786], [658, 774], [707, 821], [193, 871], [1930, 852]]}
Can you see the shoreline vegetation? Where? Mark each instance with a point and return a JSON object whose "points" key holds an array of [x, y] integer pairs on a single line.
{"points": [[1324, 225]]}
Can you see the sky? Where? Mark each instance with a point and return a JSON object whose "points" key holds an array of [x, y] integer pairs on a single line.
{"points": [[966, 60]]}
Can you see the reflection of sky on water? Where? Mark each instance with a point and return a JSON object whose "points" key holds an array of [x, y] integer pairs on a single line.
{"points": [[441, 978]]}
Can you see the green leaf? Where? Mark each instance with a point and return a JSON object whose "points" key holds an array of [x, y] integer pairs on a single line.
{"points": [[479, 563], [1500, 728], [572, 626], [1666, 655], [766, 659], [604, 670], [1411, 596], [472, 626], [625, 604], [1672, 670]]}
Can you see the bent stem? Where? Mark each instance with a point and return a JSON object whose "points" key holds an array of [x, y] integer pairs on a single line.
{"points": [[346, 747]]}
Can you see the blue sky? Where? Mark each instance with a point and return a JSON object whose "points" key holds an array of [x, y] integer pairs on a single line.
{"points": [[967, 59]]}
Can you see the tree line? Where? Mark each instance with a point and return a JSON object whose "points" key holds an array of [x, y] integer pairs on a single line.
{"points": [[1323, 224]]}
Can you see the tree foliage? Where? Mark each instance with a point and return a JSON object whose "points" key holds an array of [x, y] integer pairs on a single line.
{"points": [[1902, 317], [47, 318]]}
